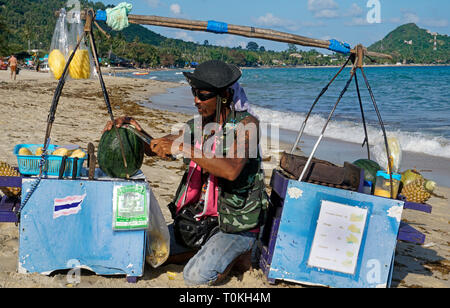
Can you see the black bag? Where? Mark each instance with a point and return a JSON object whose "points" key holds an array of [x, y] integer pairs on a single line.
{"points": [[192, 233]]}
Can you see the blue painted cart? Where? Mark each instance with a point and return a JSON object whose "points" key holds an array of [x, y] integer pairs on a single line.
{"points": [[293, 245], [70, 222]]}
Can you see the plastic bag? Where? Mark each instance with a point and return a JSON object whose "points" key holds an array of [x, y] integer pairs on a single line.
{"points": [[158, 237], [117, 17], [59, 47], [82, 64], [395, 151]]}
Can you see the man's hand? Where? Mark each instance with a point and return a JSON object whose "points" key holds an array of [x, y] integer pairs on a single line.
{"points": [[163, 147], [121, 121]]}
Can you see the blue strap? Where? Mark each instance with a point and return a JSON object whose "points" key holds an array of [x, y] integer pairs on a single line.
{"points": [[100, 15], [339, 47], [217, 26]]}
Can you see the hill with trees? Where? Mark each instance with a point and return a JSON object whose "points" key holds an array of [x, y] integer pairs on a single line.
{"points": [[29, 24], [411, 44]]}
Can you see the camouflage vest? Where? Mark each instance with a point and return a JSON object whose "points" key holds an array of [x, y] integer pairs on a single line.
{"points": [[241, 203]]}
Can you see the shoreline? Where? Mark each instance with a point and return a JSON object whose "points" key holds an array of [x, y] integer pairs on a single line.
{"points": [[334, 150], [80, 119], [130, 70]]}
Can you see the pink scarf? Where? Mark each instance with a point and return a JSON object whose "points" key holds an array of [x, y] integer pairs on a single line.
{"points": [[194, 188]]}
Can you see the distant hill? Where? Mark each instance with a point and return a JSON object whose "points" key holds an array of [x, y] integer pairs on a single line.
{"points": [[411, 44], [29, 24], [34, 21]]}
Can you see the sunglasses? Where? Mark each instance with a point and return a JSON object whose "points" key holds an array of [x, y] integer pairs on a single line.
{"points": [[202, 96]]}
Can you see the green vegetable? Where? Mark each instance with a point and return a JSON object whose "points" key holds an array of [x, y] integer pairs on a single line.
{"points": [[410, 176], [370, 169], [110, 155]]}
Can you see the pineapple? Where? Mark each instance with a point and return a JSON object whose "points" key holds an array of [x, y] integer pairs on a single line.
{"points": [[7, 170], [418, 191]]}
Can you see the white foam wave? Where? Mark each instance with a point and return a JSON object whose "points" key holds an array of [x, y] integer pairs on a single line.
{"points": [[354, 132]]}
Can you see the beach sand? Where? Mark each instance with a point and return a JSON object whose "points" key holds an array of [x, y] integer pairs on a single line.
{"points": [[80, 118]]}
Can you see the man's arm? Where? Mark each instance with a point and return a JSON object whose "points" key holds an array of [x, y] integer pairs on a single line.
{"points": [[231, 166]]}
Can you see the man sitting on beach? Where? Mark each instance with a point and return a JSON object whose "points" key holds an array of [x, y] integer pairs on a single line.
{"points": [[220, 203], [12, 61]]}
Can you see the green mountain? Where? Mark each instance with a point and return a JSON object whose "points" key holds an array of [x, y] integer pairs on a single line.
{"points": [[411, 44], [33, 21], [29, 24]]}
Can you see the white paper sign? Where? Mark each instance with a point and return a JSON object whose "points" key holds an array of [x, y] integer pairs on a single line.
{"points": [[337, 240]]}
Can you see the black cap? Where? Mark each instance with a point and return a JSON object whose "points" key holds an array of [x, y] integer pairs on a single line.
{"points": [[213, 76]]}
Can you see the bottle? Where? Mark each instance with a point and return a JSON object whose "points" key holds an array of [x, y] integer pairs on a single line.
{"points": [[383, 184]]}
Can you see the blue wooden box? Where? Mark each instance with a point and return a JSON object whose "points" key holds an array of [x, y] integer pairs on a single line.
{"points": [[288, 236], [81, 233]]}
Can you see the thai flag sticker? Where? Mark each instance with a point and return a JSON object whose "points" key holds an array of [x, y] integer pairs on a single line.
{"points": [[67, 206]]}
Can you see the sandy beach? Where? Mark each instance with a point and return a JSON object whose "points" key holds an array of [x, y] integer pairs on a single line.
{"points": [[80, 118]]}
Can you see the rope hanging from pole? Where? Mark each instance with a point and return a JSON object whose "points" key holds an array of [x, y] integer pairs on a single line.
{"points": [[356, 55]]}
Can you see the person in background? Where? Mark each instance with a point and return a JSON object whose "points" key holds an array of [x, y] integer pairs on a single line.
{"points": [[12, 61]]}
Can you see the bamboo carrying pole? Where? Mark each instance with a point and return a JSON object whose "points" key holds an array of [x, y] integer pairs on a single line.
{"points": [[246, 31]]}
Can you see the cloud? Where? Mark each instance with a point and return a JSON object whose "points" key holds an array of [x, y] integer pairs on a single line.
{"points": [[407, 17], [317, 5], [230, 41], [175, 9], [269, 20], [326, 14], [153, 3], [183, 35], [358, 21], [438, 23], [354, 11], [410, 17], [323, 8]]}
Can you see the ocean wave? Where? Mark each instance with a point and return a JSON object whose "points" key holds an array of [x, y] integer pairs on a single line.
{"points": [[352, 131]]}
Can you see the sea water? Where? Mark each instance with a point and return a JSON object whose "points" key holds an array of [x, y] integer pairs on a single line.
{"points": [[414, 103]]}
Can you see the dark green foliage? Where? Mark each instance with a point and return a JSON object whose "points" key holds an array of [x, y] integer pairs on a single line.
{"points": [[30, 24], [421, 48]]}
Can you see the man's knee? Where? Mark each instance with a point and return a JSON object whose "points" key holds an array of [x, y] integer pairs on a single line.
{"points": [[195, 274]]}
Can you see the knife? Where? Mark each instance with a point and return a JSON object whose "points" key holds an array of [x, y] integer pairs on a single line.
{"points": [[144, 137]]}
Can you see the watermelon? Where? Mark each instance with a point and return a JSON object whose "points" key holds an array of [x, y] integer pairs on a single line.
{"points": [[109, 153], [370, 168]]}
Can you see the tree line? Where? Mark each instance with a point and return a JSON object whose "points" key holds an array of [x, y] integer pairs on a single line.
{"points": [[28, 24]]}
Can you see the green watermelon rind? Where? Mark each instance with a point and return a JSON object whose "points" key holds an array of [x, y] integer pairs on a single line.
{"points": [[109, 153], [370, 168]]}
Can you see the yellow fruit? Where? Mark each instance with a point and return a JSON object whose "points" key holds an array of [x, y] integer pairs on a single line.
{"points": [[80, 67], [61, 152], [159, 251], [78, 153], [416, 191], [56, 62], [7, 170], [39, 151], [25, 151]]}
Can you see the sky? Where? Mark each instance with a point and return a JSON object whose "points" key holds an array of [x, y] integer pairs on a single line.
{"points": [[350, 21]]}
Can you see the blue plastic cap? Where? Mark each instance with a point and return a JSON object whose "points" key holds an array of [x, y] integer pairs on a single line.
{"points": [[217, 26], [340, 47], [395, 176], [100, 15]]}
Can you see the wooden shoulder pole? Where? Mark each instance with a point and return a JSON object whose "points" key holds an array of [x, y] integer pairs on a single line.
{"points": [[246, 31]]}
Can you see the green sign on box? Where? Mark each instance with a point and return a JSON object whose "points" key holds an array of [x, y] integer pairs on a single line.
{"points": [[130, 207]]}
